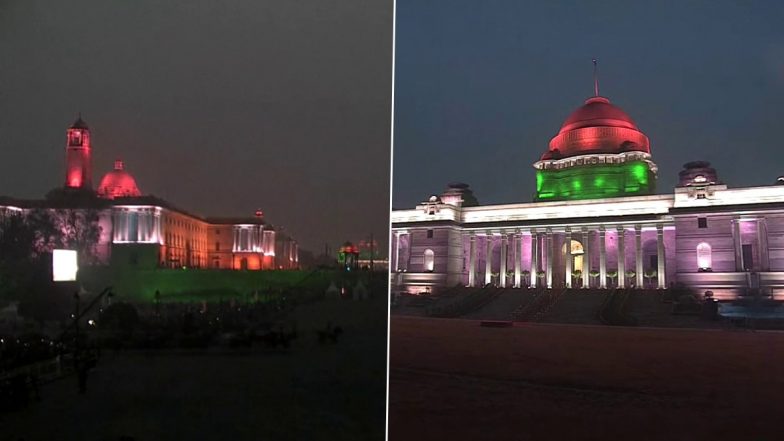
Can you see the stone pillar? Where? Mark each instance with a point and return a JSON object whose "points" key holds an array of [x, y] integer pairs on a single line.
{"points": [[586, 258], [621, 258], [534, 258], [502, 267], [472, 260], [638, 255], [762, 244], [660, 257], [738, 244], [397, 251], [602, 258], [489, 259], [517, 244], [410, 248], [549, 258], [568, 257]]}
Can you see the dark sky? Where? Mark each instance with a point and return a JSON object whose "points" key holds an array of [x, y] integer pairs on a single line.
{"points": [[482, 87], [218, 107]]}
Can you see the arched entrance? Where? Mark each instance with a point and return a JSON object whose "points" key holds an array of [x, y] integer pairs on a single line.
{"points": [[576, 253]]}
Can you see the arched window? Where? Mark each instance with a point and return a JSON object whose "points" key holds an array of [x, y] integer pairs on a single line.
{"points": [[430, 259], [703, 257]]}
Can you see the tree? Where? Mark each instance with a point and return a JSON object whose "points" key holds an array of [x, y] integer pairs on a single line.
{"points": [[26, 242], [80, 231]]}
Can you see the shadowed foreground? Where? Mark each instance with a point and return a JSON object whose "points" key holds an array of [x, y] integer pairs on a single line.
{"points": [[451, 379], [312, 391]]}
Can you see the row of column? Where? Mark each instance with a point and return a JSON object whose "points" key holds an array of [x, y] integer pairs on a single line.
{"points": [[546, 239]]}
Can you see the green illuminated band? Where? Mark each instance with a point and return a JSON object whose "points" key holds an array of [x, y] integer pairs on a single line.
{"points": [[595, 181]]}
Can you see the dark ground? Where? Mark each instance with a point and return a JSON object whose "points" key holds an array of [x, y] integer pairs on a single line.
{"points": [[329, 392], [451, 379]]}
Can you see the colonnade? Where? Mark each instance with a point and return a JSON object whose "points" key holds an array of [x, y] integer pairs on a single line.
{"points": [[542, 245]]}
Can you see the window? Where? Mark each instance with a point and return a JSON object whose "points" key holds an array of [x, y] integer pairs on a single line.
{"points": [[704, 257], [217, 246], [702, 222], [429, 263], [700, 195], [429, 234], [748, 257]]}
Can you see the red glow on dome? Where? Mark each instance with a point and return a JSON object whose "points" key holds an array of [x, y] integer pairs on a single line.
{"points": [[597, 127], [118, 183], [597, 112]]}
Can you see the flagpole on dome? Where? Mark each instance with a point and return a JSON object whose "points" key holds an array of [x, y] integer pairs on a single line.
{"points": [[595, 78]]}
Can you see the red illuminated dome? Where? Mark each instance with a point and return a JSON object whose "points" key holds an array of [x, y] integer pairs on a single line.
{"points": [[118, 183], [597, 127], [597, 111]]}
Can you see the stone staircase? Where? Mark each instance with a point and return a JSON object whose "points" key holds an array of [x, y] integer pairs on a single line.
{"points": [[465, 301], [574, 306], [504, 306], [543, 299]]}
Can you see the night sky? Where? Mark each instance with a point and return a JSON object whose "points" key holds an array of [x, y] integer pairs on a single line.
{"points": [[482, 87], [218, 107]]}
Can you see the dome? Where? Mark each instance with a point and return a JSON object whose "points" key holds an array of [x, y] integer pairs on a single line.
{"points": [[597, 111], [118, 183], [597, 127]]}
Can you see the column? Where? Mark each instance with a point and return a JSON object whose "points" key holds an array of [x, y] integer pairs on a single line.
{"points": [[738, 244], [621, 258], [472, 260], [549, 258], [408, 254], [762, 244], [568, 257], [534, 258], [502, 266], [517, 244], [586, 259], [638, 255], [488, 259], [660, 257], [602, 258], [397, 251]]}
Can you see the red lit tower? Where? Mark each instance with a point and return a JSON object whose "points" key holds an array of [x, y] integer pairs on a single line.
{"points": [[78, 156]]}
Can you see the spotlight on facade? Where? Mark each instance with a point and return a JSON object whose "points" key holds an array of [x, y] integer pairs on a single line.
{"points": [[64, 265]]}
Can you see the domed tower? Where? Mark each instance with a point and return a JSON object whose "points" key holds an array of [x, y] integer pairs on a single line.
{"points": [[118, 183], [598, 153], [78, 156]]}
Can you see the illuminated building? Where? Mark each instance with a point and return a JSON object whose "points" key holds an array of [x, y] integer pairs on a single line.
{"points": [[597, 222], [348, 256], [78, 156], [145, 232]]}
